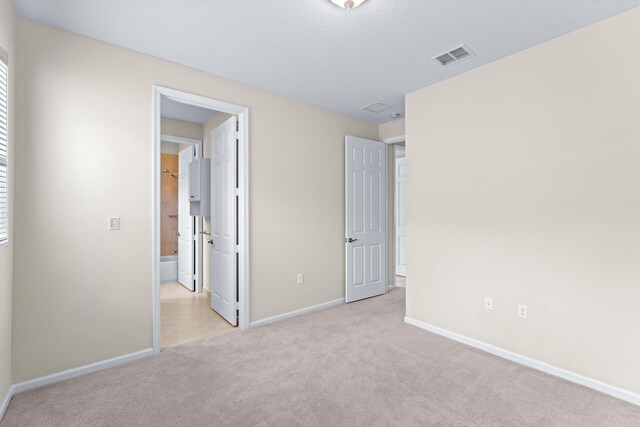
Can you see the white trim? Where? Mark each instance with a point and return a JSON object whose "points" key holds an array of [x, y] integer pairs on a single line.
{"points": [[396, 209], [297, 312], [71, 373], [611, 390], [6, 401], [182, 140], [394, 139], [396, 148], [243, 205]]}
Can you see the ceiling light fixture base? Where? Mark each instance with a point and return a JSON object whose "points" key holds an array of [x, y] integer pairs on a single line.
{"points": [[347, 4]]}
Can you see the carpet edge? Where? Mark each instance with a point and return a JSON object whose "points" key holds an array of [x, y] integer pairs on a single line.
{"points": [[80, 371], [538, 365], [295, 313]]}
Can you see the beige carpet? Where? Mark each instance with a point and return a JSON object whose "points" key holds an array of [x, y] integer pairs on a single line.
{"points": [[352, 365]]}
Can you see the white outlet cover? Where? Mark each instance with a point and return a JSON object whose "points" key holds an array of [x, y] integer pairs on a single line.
{"points": [[523, 311], [114, 223], [300, 279]]}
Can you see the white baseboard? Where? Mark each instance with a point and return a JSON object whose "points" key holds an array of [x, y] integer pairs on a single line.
{"points": [[611, 390], [71, 373], [82, 370], [5, 402], [297, 312]]}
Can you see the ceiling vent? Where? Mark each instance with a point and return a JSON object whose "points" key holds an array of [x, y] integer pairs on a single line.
{"points": [[454, 55], [377, 107]]}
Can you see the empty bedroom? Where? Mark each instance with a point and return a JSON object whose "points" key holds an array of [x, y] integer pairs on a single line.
{"points": [[319, 213]]}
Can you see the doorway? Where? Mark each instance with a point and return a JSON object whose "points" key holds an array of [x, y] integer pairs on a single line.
{"points": [[375, 216], [400, 215], [366, 240], [210, 293], [396, 207], [180, 247]]}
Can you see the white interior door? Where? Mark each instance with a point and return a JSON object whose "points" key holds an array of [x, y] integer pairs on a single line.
{"points": [[223, 220], [401, 217], [185, 221], [366, 218]]}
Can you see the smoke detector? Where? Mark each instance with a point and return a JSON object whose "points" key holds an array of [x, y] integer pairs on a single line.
{"points": [[454, 55]]}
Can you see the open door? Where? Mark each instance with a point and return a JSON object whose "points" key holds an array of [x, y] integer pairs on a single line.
{"points": [[401, 217], [185, 221], [366, 218], [223, 220]]}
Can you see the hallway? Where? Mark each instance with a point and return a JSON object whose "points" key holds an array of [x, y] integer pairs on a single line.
{"points": [[187, 316]]}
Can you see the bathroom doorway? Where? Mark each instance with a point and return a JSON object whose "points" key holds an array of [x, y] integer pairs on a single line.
{"points": [[201, 284], [180, 241]]}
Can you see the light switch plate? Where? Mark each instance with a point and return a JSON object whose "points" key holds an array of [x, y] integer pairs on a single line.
{"points": [[523, 312], [114, 223]]}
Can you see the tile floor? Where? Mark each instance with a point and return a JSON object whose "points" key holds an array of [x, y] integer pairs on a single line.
{"points": [[187, 316], [401, 282]]}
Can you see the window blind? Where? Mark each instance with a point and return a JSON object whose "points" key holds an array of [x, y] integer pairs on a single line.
{"points": [[4, 142]]}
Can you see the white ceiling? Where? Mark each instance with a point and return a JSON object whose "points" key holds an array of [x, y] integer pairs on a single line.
{"points": [[316, 52], [176, 110]]}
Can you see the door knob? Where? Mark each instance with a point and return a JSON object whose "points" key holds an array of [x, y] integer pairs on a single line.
{"points": [[350, 240], [211, 243]]}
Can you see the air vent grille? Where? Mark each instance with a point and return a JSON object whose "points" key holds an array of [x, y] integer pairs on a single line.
{"points": [[445, 59], [377, 107], [454, 55]]}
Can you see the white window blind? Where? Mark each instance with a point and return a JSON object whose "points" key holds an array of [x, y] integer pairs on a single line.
{"points": [[4, 142]]}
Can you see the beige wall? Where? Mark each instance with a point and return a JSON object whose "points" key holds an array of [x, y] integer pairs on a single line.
{"points": [[391, 129], [210, 125], [534, 199], [7, 38], [169, 148], [181, 128], [84, 294]]}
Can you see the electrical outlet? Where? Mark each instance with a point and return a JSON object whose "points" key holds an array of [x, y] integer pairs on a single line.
{"points": [[300, 279], [114, 223], [488, 303], [522, 311]]}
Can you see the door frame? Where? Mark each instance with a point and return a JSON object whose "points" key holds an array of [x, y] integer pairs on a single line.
{"points": [[396, 149], [242, 113], [391, 141], [198, 252]]}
